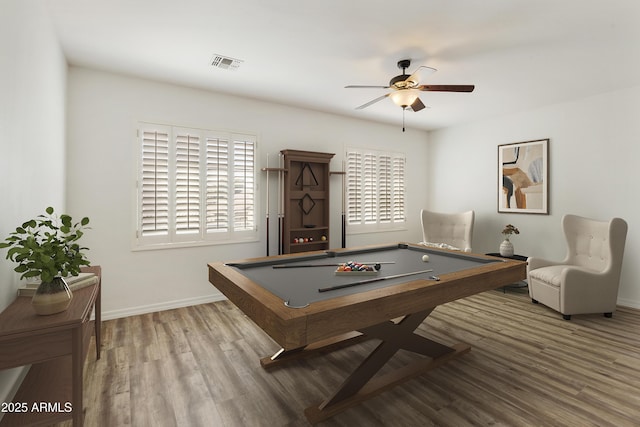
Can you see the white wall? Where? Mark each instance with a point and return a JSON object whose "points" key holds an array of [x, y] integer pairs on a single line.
{"points": [[103, 110], [593, 167], [32, 150]]}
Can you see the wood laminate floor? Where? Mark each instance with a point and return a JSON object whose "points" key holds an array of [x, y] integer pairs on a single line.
{"points": [[199, 366]]}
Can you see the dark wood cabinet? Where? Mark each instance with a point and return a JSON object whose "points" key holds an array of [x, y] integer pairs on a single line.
{"points": [[306, 201]]}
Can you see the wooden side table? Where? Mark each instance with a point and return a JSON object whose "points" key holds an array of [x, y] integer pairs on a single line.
{"points": [[56, 347]]}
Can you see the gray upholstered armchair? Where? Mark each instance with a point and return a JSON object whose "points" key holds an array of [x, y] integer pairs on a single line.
{"points": [[448, 230], [587, 280]]}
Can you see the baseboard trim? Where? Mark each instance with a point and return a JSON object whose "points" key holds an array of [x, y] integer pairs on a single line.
{"points": [[628, 303], [168, 305], [152, 308], [10, 380]]}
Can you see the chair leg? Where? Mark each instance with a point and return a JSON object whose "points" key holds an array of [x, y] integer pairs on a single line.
{"points": [[535, 301], [609, 315], [566, 316]]}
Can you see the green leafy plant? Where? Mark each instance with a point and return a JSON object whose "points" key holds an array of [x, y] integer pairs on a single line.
{"points": [[47, 246]]}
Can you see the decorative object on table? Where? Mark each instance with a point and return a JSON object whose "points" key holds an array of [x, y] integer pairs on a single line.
{"points": [[353, 268], [523, 172], [506, 247], [52, 297], [47, 247], [80, 281]]}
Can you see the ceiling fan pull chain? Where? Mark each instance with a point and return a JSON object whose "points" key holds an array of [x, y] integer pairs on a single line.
{"points": [[403, 109]]}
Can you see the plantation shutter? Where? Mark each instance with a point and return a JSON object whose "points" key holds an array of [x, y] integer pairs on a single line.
{"points": [[154, 183], [369, 188], [244, 185], [398, 189], [195, 186], [375, 188], [217, 200], [385, 188], [187, 169], [354, 188]]}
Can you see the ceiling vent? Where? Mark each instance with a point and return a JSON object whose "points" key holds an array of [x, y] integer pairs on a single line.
{"points": [[225, 62]]}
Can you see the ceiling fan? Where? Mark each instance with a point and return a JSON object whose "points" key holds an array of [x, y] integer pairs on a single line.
{"points": [[406, 88]]}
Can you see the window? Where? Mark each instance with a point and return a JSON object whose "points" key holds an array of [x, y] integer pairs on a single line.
{"points": [[375, 190], [195, 186]]}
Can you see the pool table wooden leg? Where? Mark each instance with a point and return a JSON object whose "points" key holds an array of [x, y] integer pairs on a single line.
{"points": [[283, 356], [359, 386]]}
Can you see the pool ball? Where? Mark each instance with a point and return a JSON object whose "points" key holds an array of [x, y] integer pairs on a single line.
{"points": [[425, 258]]}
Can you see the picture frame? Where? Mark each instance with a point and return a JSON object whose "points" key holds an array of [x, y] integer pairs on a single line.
{"points": [[523, 177]]}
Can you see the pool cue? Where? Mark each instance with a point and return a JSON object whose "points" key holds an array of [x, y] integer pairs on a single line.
{"points": [[375, 279], [280, 205], [267, 203], [344, 218], [328, 265]]}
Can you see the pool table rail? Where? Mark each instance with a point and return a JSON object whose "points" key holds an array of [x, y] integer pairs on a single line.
{"points": [[294, 328]]}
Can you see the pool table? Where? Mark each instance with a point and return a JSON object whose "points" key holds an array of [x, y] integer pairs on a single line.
{"points": [[303, 305]]}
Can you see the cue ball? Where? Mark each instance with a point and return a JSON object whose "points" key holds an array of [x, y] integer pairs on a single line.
{"points": [[425, 258]]}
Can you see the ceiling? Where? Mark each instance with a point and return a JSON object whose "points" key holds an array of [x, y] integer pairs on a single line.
{"points": [[520, 54]]}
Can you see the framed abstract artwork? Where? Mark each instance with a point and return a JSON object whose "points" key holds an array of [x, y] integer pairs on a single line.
{"points": [[523, 177]]}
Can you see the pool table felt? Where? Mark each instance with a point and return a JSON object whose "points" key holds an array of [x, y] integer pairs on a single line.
{"points": [[299, 286]]}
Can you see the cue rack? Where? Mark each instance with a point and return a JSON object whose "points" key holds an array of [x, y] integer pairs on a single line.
{"points": [[303, 181]]}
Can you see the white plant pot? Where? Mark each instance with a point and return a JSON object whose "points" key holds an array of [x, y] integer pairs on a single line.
{"points": [[506, 248]]}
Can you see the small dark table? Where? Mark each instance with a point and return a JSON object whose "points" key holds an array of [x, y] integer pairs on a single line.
{"points": [[521, 284]]}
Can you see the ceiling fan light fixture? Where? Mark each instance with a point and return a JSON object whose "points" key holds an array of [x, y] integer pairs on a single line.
{"points": [[404, 98]]}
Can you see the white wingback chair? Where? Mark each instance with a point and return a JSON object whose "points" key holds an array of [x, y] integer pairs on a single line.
{"points": [[587, 280], [449, 230]]}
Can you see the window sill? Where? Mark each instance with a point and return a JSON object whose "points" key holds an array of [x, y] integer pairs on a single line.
{"points": [[180, 245], [374, 229]]}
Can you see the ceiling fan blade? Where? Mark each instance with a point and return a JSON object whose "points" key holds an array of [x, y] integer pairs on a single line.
{"points": [[417, 105], [380, 98], [365, 87], [419, 73], [447, 88]]}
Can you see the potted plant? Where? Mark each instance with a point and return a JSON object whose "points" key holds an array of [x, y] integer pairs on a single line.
{"points": [[47, 247], [506, 247]]}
